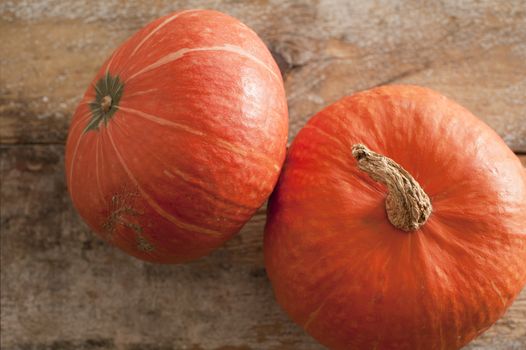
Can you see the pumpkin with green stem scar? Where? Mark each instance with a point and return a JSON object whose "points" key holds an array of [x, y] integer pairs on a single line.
{"points": [[180, 138]]}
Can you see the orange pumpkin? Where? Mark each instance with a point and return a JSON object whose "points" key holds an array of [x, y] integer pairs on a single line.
{"points": [[399, 222], [180, 138]]}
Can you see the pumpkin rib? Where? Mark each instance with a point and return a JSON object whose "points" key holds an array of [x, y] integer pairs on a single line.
{"points": [[383, 287], [188, 179], [325, 134], [155, 206], [218, 142], [138, 238], [344, 271], [353, 175], [74, 155], [73, 158], [173, 56], [165, 22], [162, 121], [79, 121], [443, 248], [314, 314], [106, 67], [232, 208], [86, 100], [97, 176], [503, 299], [110, 60], [312, 317], [139, 93], [430, 264], [454, 244], [352, 271], [353, 171]]}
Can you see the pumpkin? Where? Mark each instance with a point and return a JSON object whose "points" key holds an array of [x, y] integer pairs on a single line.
{"points": [[399, 222], [180, 138]]}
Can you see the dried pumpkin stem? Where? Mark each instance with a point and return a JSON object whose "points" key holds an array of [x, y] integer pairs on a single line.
{"points": [[407, 205]]}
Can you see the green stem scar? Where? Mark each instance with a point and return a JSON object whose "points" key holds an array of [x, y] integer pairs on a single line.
{"points": [[108, 92]]}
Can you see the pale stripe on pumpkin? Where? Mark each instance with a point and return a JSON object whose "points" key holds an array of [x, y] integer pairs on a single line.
{"points": [[156, 206], [138, 93], [109, 63], [165, 22], [86, 100], [189, 179], [218, 142], [324, 133], [97, 176], [312, 316], [162, 121], [201, 185], [79, 121], [180, 53]]}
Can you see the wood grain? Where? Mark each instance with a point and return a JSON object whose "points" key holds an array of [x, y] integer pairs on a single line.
{"points": [[63, 288], [473, 51]]}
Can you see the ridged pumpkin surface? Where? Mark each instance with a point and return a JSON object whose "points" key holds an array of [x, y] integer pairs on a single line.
{"points": [[180, 138], [340, 268]]}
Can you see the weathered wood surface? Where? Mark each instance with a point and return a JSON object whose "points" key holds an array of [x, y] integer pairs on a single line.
{"points": [[63, 288], [474, 51]]}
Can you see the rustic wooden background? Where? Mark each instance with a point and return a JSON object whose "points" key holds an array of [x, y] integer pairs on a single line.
{"points": [[63, 288]]}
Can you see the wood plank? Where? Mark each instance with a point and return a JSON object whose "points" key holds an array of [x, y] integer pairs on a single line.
{"points": [[472, 52], [63, 288], [39, 93]]}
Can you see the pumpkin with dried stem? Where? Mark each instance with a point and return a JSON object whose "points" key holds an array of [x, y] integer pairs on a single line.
{"points": [[399, 222]]}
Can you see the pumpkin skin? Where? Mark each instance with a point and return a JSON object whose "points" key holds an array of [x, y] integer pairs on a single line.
{"points": [[352, 280], [189, 143]]}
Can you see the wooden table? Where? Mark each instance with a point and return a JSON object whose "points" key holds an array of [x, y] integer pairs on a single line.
{"points": [[63, 288]]}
